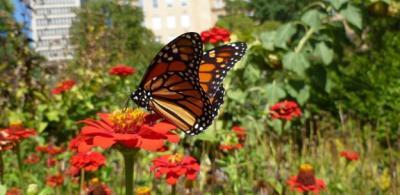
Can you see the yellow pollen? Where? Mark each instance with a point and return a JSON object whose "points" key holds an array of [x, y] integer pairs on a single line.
{"points": [[16, 125], [306, 168], [127, 119], [95, 181], [142, 191], [175, 158]]}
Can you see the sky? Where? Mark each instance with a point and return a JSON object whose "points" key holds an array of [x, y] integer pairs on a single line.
{"points": [[19, 10]]}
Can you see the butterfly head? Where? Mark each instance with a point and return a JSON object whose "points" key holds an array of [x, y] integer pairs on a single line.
{"points": [[142, 97]]}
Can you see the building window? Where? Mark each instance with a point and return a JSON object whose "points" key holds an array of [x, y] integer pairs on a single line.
{"points": [[156, 23], [169, 3], [171, 22], [184, 2], [185, 21], [155, 3]]}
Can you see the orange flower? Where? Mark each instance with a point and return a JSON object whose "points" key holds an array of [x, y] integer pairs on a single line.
{"points": [[63, 87], [55, 180], [89, 161], [14, 191], [174, 166], [50, 149], [350, 155], [121, 70], [32, 159], [228, 147], [17, 132], [305, 180], [240, 132], [130, 129], [285, 110]]}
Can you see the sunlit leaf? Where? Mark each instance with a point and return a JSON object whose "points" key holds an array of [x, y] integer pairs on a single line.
{"points": [[353, 15], [268, 39], [313, 18], [296, 62], [325, 53], [283, 35], [274, 93], [337, 4]]}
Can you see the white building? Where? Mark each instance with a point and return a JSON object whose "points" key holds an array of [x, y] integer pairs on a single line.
{"points": [[50, 23]]}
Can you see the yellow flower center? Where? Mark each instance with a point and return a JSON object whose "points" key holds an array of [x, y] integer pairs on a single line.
{"points": [[175, 158], [306, 175], [16, 125], [142, 191], [127, 121], [94, 181]]}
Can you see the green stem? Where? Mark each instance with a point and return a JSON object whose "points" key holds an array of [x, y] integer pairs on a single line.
{"points": [[129, 160], [82, 181], [19, 161], [1, 168], [173, 190], [304, 40]]}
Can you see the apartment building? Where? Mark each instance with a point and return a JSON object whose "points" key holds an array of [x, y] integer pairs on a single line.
{"points": [[169, 18], [50, 23]]}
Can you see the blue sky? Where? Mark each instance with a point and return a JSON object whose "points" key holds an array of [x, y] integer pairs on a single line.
{"points": [[19, 9]]}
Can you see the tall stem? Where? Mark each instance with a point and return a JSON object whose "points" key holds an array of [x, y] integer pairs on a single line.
{"points": [[173, 190], [1, 168], [129, 160], [304, 40], [82, 181], [19, 161]]}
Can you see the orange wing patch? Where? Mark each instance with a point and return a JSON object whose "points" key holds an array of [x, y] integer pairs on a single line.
{"points": [[205, 77], [177, 66], [207, 67], [158, 70]]}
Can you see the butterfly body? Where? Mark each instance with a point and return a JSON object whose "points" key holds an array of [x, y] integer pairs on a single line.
{"points": [[184, 86]]}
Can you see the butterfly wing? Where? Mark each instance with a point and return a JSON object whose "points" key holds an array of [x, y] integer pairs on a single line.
{"points": [[216, 63]]}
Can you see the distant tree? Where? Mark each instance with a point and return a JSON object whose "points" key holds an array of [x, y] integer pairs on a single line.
{"points": [[107, 32], [263, 10]]}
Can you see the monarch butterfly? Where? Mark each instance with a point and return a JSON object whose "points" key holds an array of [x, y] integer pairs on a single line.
{"points": [[183, 85]]}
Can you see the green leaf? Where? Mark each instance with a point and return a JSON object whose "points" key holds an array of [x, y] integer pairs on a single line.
{"points": [[337, 4], [296, 62], [299, 90], [274, 93], [267, 40], [353, 15], [3, 189], [237, 95], [52, 115], [313, 19], [324, 52], [283, 35], [42, 126]]}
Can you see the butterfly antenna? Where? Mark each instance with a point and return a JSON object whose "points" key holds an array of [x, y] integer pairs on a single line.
{"points": [[126, 104]]}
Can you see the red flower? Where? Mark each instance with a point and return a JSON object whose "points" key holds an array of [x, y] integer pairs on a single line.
{"points": [[17, 132], [73, 171], [55, 180], [228, 147], [5, 142], [51, 162], [32, 159], [285, 110], [14, 191], [305, 181], [63, 87], [89, 161], [350, 155], [174, 166], [215, 35], [240, 132], [121, 70], [50, 149], [131, 128], [96, 187]]}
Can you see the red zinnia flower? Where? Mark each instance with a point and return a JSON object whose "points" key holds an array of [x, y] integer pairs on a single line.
{"points": [[121, 70], [63, 87], [89, 161], [174, 166], [240, 132], [215, 35], [14, 191], [228, 147], [50, 149], [305, 180], [285, 110], [131, 128], [51, 162], [55, 180], [16, 132], [32, 159], [96, 187], [350, 155], [5, 142]]}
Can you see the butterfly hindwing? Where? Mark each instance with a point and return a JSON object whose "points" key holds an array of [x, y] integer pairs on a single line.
{"points": [[216, 63]]}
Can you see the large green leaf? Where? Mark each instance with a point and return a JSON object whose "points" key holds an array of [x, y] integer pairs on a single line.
{"points": [[324, 52], [337, 4], [274, 93], [313, 18], [267, 39], [353, 15], [237, 95], [283, 35], [300, 91], [296, 62]]}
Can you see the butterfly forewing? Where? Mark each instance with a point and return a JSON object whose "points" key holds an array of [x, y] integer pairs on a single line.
{"points": [[216, 63]]}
